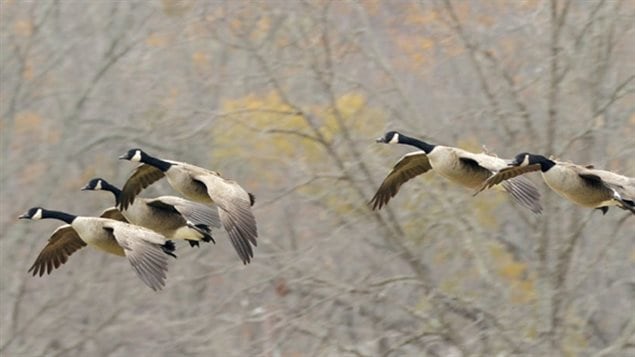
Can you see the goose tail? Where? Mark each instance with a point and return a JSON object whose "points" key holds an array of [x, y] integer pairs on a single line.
{"points": [[627, 205], [168, 248]]}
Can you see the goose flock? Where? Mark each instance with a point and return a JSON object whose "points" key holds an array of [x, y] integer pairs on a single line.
{"points": [[584, 185], [142, 229]]}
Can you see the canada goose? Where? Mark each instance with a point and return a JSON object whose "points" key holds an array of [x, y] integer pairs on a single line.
{"points": [[459, 166], [583, 185], [200, 185], [146, 250], [171, 216]]}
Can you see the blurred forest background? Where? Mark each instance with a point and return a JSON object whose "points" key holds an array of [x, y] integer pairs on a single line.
{"points": [[287, 97]]}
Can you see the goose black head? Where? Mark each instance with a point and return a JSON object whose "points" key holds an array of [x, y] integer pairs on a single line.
{"points": [[136, 155], [34, 213], [95, 184], [526, 159], [391, 137], [522, 159]]}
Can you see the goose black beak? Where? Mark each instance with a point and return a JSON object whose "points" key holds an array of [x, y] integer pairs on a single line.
{"points": [[380, 139], [85, 188], [123, 157], [23, 216]]}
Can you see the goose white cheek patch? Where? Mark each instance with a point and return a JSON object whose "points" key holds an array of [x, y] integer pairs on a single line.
{"points": [[616, 195], [98, 185], [137, 156], [37, 215], [395, 139], [525, 161]]}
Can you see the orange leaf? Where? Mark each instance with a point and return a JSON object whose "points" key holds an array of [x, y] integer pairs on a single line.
{"points": [[157, 40], [27, 121], [23, 28]]}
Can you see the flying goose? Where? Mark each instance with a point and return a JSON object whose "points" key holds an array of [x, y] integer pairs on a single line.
{"points": [[459, 166], [583, 185], [171, 216], [200, 185], [146, 250]]}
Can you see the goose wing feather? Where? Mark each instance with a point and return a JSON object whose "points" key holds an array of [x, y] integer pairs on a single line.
{"points": [[143, 248], [234, 212], [63, 243], [194, 212], [142, 177], [520, 188], [483, 160], [506, 174], [524, 192], [623, 184], [623, 187], [409, 166], [113, 213]]}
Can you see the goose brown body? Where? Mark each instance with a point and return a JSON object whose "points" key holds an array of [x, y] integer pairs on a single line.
{"points": [[447, 162], [171, 216], [146, 250], [459, 166], [566, 181], [200, 185], [584, 185]]}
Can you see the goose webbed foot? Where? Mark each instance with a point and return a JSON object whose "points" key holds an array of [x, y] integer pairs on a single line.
{"points": [[193, 243], [208, 238], [603, 209]]}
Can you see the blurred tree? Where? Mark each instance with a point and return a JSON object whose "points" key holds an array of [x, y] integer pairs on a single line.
{"points": [[287, 98]]}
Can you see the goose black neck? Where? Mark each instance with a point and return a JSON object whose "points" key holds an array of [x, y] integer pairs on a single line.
{"points": [[114, 189], [158, 163], [545, 164], [416, 143], [62, 216]]}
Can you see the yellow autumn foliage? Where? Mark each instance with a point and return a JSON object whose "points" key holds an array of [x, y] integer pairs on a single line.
{"points": [[157, 40], [484, 209], [31, 126], [521, 282], [23, 27], [175, 7], [28, 121], [420, 17], [32, 172], [282, 139], [201, 61], [28, 72], [575, 338]]}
